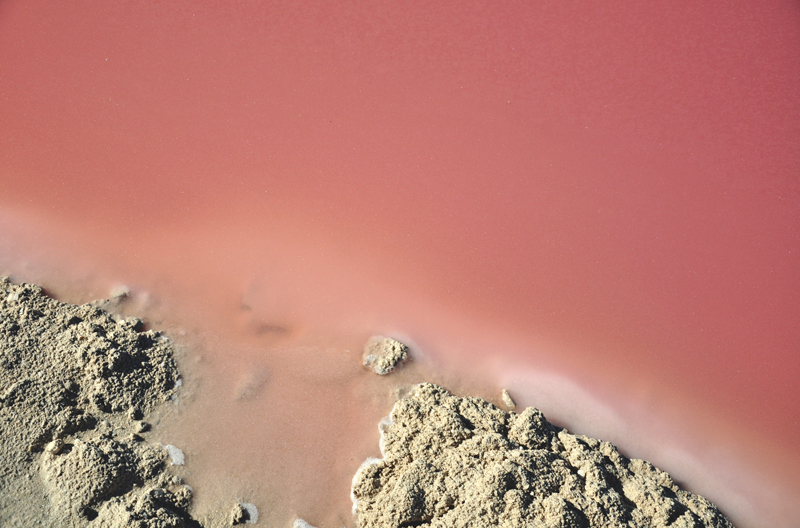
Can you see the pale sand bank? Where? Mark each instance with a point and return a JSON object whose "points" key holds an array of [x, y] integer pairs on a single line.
{"points": [[459, 462], [81, 389]]}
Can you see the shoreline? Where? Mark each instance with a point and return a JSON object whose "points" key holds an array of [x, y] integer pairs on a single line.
{"points": [[592, 207], [252, 392], [207, 333]]}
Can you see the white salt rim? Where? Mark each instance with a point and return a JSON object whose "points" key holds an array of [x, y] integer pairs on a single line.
{"points": [[252, 512], [176, 456]]}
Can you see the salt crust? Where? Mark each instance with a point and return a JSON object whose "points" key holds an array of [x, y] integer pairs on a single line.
{"points": [[176, 457], [462, 462]]}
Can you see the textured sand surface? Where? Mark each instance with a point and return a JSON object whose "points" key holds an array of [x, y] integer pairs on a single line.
{"points": [[75, 385], [462, 462], [384, 354]]}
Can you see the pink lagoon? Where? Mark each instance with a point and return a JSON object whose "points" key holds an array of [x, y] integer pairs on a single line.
{"points": [[594, 206]]}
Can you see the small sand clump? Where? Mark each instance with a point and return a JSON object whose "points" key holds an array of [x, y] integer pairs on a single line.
{"points": [[462, 462], [75, 383], [384, 354], [508, 401], [244, 512]]}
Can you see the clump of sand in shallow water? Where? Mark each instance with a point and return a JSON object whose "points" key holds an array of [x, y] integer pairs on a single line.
{"points": [[75, 384], [462, 462], [384, 354]]}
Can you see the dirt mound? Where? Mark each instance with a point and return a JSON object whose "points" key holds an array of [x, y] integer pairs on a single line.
{"points": [[75, 383], [462, 462]]}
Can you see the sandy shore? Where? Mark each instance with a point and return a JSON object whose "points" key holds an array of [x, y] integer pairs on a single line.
{"points": [[80, 390], [83, 393]]}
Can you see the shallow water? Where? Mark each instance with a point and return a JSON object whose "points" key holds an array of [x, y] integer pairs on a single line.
{"points": [[595, 208]]}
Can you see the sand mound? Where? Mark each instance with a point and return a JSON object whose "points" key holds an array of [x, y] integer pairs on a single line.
{"points": [[462, 462], [384, 354], [74, 385]]}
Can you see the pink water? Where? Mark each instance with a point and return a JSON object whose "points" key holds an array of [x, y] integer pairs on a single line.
{"points": [[595, 206]]}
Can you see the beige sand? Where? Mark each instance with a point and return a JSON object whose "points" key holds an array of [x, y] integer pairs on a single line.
{"points": [[384, 354], [462, 462], [76, 386]]}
